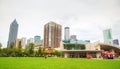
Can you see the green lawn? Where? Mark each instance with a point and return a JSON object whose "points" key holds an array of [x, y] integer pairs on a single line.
{"points": [[57, 63]]}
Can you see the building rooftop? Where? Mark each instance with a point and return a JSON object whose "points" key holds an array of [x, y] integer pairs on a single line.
{"points": [[74, 42]]}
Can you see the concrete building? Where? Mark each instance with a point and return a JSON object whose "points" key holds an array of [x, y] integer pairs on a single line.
{"points": [[66, 33], [12, 33], [37, 38], [38, 44], [80, 49], [23, 42], [107, 36], [52, 35], [116, 42], [18, 43], [73, 37], [87, 41]]}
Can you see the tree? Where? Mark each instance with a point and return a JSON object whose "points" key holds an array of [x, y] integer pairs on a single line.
{"points": [[58, 53], [40, 53], [19, 50], [44, 52], [12, 51], [0, 49], [12, 45], [0, 45], [31, 49], [26, 53], [4, 52], [36, 54]]}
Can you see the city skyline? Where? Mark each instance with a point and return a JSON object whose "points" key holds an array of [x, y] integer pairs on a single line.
{"points": [[85, 18]]}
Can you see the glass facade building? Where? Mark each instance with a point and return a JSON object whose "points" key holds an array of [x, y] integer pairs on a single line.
{"points": [[107, 36], [74, 45], [37, 38], [12, 33]]}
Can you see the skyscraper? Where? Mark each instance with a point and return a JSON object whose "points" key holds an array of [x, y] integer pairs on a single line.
{"points": [[107, 36], [37, 38], [12, 33], [66, 33], [52, 35]]}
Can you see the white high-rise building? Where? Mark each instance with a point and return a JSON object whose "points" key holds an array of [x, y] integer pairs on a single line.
{"points": [[23, 42], [66, 33]]}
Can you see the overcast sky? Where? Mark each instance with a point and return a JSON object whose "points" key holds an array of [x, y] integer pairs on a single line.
{"points": [[86, 18]]}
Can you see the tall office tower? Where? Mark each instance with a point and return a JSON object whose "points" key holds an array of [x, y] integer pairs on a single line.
{"points": [[66, 33], [37, 38], [116, 42], [73, 37], [52, 35], [107, 36], [12, 33]]}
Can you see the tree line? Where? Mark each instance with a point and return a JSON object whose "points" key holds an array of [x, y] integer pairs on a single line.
{"points": [[29, 51]]}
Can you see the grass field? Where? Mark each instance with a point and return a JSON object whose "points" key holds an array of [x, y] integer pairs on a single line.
{"points": [[57, 63]]}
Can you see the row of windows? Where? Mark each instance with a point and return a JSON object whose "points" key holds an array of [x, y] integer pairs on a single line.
{"points": [[74, 47]]}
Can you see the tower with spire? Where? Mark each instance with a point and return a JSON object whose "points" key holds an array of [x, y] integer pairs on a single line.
{"points": [[12, 33]]}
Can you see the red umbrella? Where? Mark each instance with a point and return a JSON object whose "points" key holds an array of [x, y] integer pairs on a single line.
{"points": [[108, 53], [104, 53], [89, 56], [111, 53]]}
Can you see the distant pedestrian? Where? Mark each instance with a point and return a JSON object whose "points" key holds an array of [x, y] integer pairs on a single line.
{"points": [[45, 57]]}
